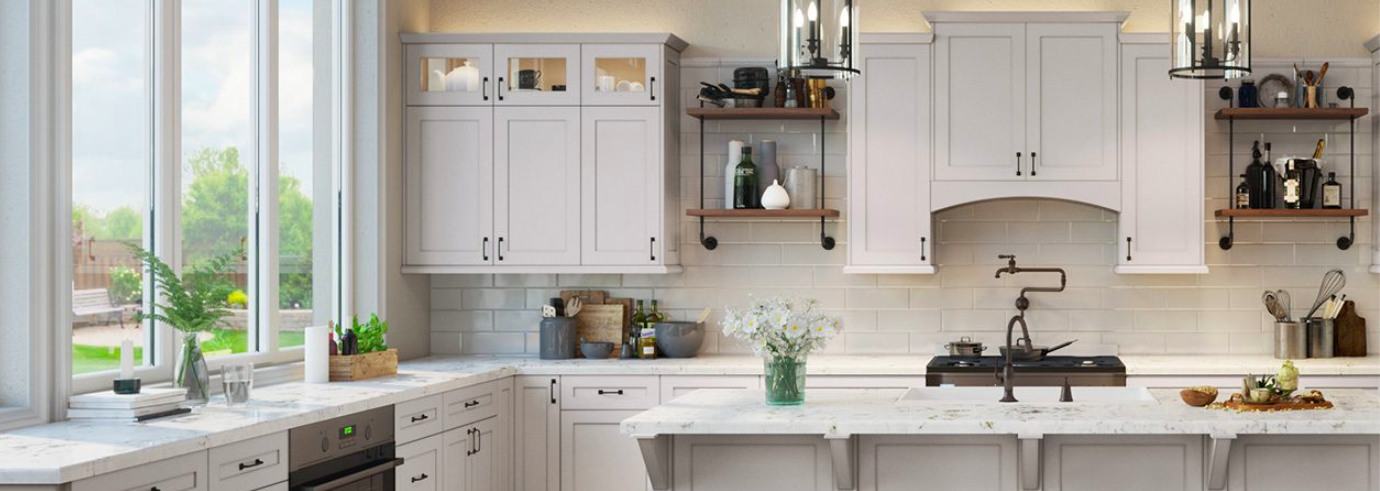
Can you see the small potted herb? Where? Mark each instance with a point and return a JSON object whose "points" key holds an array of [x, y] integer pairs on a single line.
{"points": [[364, 351]]}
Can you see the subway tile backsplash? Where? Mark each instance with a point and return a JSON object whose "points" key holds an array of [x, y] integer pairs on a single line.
{"points": [[1215, 313]]}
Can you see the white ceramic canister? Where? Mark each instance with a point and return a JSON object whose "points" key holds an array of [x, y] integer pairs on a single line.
{"points": [[775, 197], [735, 155]]}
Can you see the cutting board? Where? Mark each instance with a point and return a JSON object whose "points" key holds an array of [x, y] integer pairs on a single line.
{"points": [[600, 323], [627, 304], [1351, 332]]}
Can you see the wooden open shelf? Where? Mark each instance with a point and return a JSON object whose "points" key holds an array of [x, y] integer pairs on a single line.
{"points": [[761, 113], [1290, 113], [788, 213], [1287, 213]]}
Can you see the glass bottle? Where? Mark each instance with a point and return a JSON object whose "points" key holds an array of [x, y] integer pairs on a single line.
{"points": [[745, 191], [646, 343], [1249, 95], [1332, 192], [1243, 195], [656, 316], [1260, 178], [639, 318], [1291, 189]]}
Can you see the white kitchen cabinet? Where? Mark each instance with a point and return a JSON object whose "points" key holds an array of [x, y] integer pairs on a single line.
{"points": [[597, 456], [1162, 158], [1071, 101], [418, 418], [673, 386], [864, 382], [537, 185], [249, 464], [422, 463], [755, 462], [1334, 463], [537, 74], [473, 457], [632, 392], [623, 195], [537, 434], [890, 158], [973, 462], [1131, 463], [621, 75], [184, 473], [449, 175], [449, 74], [980, 92]]}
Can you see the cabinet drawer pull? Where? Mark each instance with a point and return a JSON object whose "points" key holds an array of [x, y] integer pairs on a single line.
{"points": [[500, 239], [614, 392], [472, 450], [420, 418], [420, 478], [1018, 163], [255, 463], [1032, 163], [651, 87], [499, 90], [652, 248], [471, 404], [1128, 249], [553, 391], [922, 249], [486, 88], [485, 249]]}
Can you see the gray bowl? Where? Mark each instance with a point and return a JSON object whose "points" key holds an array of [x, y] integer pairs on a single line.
{"points": [[679, 339], [597, 351]]}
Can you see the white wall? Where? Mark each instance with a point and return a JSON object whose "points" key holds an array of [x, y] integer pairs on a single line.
{"points": [[1215, 313]]}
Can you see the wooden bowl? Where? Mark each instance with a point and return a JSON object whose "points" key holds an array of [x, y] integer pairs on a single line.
{"points": [[1197, 398]]}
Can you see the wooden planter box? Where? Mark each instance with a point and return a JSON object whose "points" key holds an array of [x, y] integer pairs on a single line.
{"points": [[365, 366]]}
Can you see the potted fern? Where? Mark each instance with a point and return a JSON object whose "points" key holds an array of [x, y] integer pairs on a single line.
{"points": [[193, 303]]}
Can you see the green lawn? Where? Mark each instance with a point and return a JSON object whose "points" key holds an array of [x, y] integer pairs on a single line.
{"points": [[87, 358]]}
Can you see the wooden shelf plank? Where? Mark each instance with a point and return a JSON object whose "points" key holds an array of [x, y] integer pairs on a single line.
{"points": [[760, 113], [1290, 113], [1287, 213], [789, 213]]}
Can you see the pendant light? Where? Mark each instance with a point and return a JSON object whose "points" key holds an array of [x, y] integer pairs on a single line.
{"points": [[1211, 39], [817, 38]]}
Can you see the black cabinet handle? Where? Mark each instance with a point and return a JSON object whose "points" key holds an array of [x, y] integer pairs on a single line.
{"points": [[478, 440], [1128, 249], [1032, 163], [922, 249], [1018, 163], [420, 478], [652, 248], [614, 392], [485, 249], [255, 463], [500, 239], [420, 418], [472, 450], [471, 404], [486, 95], [651, 87], [155, 488], [553, 391], [500, 88]]}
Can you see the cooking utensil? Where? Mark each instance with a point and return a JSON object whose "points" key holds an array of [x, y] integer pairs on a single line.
{"points": [[1024, 351], [704, 316], [573, 306], [1332, 284], [965, 347], [1322, 74], [1278, 304]]}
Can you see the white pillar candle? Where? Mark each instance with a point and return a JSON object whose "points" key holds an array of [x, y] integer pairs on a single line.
{"points": [[126, 359], [318, 363]]}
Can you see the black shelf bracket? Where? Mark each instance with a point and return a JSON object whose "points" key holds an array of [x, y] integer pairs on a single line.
{"points": [[1227, 94]]}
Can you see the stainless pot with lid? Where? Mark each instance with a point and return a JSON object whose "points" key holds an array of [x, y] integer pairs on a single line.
{"points": [[965, 347]]}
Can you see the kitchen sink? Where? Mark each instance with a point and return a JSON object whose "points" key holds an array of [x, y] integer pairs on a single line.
{"points": [[1027, 395]]}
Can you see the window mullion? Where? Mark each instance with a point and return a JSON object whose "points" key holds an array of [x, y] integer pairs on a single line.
{"points": [[264, 256], [165, 231]]}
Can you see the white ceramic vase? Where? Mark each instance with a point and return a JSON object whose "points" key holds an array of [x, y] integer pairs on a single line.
{"points": [[775, 197]]}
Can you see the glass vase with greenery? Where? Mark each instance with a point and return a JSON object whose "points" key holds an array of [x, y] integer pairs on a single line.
{"points": [[783, 330], [193, 303]]}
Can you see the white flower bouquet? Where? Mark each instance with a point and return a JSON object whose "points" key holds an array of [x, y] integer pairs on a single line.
{"points": [[783, 330]]}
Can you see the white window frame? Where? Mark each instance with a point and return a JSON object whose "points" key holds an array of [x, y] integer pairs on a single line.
{"points": [[165, 231]]}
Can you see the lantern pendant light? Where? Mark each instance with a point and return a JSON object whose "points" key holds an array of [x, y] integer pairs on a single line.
{"points": [[817, 38], [1211, 39]]}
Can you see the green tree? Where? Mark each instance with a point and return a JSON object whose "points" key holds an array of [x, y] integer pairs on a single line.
{"points": [[123, 223]]}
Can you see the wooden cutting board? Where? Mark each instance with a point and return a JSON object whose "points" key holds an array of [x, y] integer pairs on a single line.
{"points": [[1351, 332], [627, 304], [600, 323]]}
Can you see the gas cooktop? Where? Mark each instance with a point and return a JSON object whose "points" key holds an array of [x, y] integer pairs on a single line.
{"points": [[986, 364]]}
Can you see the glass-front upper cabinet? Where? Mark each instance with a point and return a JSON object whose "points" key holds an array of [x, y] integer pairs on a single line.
{"points": [[538, 74], [450, 75], [622, 74]]}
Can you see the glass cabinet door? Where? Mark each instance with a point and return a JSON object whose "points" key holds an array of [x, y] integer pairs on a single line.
{"points": [[449, 74], [622, 74], [538, 74]]}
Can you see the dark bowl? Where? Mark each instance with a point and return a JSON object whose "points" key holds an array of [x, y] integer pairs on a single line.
{"points": [[597, 350], [679, 339]]}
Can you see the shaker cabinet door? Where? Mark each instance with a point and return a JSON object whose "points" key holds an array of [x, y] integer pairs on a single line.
{"points": [[622, 191], [1161, 222], [980, 94], [537, 434], [1071, 97], [537, 183], [449, 182], [889, 169], [459, 446], [597, 456]]}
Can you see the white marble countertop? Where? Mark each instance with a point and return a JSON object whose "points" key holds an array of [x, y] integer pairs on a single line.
{"points": [[72, 450], [874, 412]]}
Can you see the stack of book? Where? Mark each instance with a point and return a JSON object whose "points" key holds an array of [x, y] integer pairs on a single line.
{"points": [[148, 404]]}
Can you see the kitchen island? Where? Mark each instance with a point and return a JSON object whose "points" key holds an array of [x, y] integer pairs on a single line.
{"points": [[1117, 438]]}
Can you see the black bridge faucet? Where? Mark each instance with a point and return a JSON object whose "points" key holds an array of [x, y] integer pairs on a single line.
{"points": [[1008, 373]]}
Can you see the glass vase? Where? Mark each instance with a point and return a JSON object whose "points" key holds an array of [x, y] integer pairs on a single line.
{"points": [[192, 373], [785, 379]]}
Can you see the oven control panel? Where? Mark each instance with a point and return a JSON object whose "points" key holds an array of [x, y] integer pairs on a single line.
{"points": [[340, 436]]}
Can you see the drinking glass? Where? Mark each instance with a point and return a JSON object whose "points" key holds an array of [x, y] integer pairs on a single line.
{"points": [[237, 379]]}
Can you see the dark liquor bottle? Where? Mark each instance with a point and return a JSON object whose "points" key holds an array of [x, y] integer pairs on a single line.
{"points": [[1260, 177], [1243, 195], [746, 195], [1331, 192]]}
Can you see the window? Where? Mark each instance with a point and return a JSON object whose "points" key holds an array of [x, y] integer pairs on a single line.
{"points": [[111, 178], [242, 167]]}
